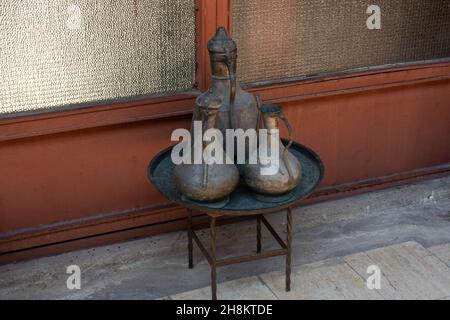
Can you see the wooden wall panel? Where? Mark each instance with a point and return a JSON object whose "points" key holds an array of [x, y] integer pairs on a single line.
{"points": [[376, 133], [76, 175], [64, 186]]}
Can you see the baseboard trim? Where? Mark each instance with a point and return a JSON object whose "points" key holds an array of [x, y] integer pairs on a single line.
{"points": [[131, 224]]}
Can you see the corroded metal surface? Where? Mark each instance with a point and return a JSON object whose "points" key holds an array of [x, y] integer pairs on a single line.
{"points": [[239, 108], [289, 172], [223, 106], [206, 182], [242, 200]]}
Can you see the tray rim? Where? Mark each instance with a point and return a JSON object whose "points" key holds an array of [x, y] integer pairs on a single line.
{"points": [[236, 212]]}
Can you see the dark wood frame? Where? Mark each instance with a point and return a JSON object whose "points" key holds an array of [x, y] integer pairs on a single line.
{"points": [[181, 104]]}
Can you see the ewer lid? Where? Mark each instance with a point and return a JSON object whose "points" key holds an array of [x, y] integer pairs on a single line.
{"points": [[221, 42]]}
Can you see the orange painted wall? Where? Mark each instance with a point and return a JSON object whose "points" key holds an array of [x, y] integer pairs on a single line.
{"points": [[89, 182]]}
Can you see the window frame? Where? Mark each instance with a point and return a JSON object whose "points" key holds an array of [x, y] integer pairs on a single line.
{"points": [[211, 14]]}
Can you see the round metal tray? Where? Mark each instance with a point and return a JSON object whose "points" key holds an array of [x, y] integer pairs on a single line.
{"points": [[242, 201]]}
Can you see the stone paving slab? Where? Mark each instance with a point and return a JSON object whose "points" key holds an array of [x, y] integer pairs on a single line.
{"points": [[442, 252], [360, 263], [242, 289], [413, 271], [408, 271], [323, 280]]}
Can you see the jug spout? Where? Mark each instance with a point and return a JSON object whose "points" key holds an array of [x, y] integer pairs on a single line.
{"points": [[239, 108]]}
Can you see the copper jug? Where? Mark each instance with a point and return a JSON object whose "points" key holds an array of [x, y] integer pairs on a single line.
{"points": [[206, 182], [288, 174], [239, 108]]}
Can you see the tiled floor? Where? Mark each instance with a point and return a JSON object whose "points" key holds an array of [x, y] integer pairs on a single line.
{"points": [[408, 271]]}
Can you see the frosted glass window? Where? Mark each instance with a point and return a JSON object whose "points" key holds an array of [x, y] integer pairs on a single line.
{"points": [[282, 39], [57, 52]]}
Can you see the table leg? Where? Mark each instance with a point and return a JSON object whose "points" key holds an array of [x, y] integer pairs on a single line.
{"points": [[258, 234], [289, 249], [213, 259], [190, 242]]}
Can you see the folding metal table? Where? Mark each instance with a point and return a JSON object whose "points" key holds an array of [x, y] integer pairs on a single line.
{"points": [[242, 203]]}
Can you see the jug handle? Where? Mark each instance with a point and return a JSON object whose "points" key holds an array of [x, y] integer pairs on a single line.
{"points": [[232, 83], [290, 132], [205, 166], [286, 149], [259, 123]]}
